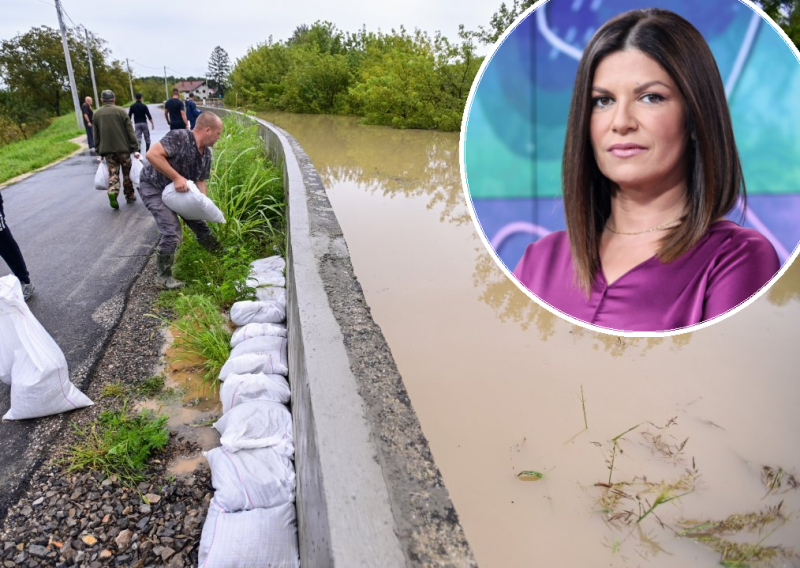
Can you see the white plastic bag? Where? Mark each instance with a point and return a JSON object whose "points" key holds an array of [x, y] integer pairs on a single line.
{"points": [[238, 389], [101, 176], [271, 294], [192, 205], [261, 537], [251, 479], [37, 368], [257, 329], [136, 171], [258, 424], [248, 311], [253, 363]]}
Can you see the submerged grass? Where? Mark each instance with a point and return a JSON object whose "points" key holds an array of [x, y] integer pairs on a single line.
{"points": [[41, 149]]}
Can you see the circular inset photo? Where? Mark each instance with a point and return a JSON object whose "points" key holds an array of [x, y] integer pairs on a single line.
{"points": [[634, 166]]}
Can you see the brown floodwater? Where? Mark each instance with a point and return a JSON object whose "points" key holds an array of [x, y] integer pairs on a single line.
{"points": [[191, 405], [502, 386]]}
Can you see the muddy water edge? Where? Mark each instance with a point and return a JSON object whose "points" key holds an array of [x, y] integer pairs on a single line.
{"points": [[644, 446]]}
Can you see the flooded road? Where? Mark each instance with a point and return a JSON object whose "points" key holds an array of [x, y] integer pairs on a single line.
{"points": [[642, 444]]}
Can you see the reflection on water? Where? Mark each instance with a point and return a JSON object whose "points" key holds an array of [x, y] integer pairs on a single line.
{"points": [[501, 385]]}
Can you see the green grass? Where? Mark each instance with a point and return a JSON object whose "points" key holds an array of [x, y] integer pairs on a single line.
{"points": [[118, 443], [203, 333], [152, 386], [249, 191], [114, 390], [41, 149]]}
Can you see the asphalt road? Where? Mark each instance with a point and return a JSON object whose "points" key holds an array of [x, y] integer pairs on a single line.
{"points": [[83, 257]]}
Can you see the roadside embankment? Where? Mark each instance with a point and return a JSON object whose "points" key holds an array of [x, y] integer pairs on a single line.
{"points": [[368, 491], [42, 149]]}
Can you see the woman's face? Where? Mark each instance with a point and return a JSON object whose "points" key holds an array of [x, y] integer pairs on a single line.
{"points": [[638, 123]]}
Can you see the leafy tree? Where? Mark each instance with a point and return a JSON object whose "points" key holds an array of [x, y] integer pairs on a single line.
{"points": [[323, 36], [219, 67], [21, 118], [317, 82], [501, 20], [33, 65], [257, 80], [785, 13]]}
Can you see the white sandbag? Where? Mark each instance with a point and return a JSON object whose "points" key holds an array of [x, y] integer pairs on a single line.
{"points": [[270, 264], [248, 311], [247, 539], [40, 384], [271, 294], [258, 424], [101, 176], [267, 272], [238, 389], [192, 205], [257, 329], [252, 363], [136, 171], [258, 279], [251, 479], [266, 345]]}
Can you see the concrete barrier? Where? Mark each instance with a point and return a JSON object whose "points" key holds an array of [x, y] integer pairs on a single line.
{"points": [[368, 491]]}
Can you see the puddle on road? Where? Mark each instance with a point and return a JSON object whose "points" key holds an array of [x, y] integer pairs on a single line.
{"points": [[496, 381], [190, 404]]}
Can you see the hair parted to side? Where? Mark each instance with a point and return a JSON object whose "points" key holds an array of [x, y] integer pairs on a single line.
{"points": [[714, 174]]}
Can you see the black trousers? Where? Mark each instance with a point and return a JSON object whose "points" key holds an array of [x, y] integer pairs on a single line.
{"points": [[9, 249], [177, 126]]}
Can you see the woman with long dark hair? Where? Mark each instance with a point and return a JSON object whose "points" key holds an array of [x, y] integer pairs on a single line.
{"points": [[650, 169]]}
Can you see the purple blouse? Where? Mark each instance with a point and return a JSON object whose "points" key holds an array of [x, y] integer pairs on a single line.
{"points": [[727, 266]]}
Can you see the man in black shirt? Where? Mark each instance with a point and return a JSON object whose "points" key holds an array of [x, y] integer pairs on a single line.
{"points": [[140, 114], [86, 110], [175, 113]]}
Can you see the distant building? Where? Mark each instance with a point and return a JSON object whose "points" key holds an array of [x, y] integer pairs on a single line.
{"points": [[200, 89]]}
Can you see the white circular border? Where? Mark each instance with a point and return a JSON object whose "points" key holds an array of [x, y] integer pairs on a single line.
{"points": [[510, 275]]}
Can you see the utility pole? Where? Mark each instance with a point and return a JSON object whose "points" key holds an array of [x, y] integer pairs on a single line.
{"points": [[91, 68], [166, 94], [130, 78], [69, 66]]}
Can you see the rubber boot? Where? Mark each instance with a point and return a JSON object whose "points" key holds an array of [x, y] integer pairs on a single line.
{"points": [[146, 147], [209, 242], [164, 279]]}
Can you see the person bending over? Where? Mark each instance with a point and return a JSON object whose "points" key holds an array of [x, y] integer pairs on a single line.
{"points": [[179, 156]]}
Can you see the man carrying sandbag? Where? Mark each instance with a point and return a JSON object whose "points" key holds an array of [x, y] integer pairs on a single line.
{"points": [[179, 156], [115, 141]]}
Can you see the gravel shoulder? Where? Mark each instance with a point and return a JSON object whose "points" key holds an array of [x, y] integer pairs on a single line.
{"points": [[85, 520]]}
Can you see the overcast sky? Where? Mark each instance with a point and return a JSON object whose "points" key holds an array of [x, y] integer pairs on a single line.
{"points": [[181, 35]]}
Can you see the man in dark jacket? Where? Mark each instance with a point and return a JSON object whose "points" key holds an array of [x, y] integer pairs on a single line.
{"points": [[115, 141], [191, 111], [140, 114], [175, 112]]}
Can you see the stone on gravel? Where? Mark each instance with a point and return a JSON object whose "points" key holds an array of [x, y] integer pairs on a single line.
{"points": [[38, 551], [89, 540], [123, 539]]}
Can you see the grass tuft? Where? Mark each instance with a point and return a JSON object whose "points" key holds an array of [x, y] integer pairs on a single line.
{"points": [[118, 443]]}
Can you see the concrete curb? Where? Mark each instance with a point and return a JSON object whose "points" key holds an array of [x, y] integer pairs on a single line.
{"points": [[369, 493]]}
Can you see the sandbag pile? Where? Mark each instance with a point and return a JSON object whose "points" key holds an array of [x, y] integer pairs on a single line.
{"points": [[31, 362], [252, 520]]}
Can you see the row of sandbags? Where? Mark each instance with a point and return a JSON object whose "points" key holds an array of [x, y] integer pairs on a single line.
{"points": [[31, 361], [252, 518]]}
